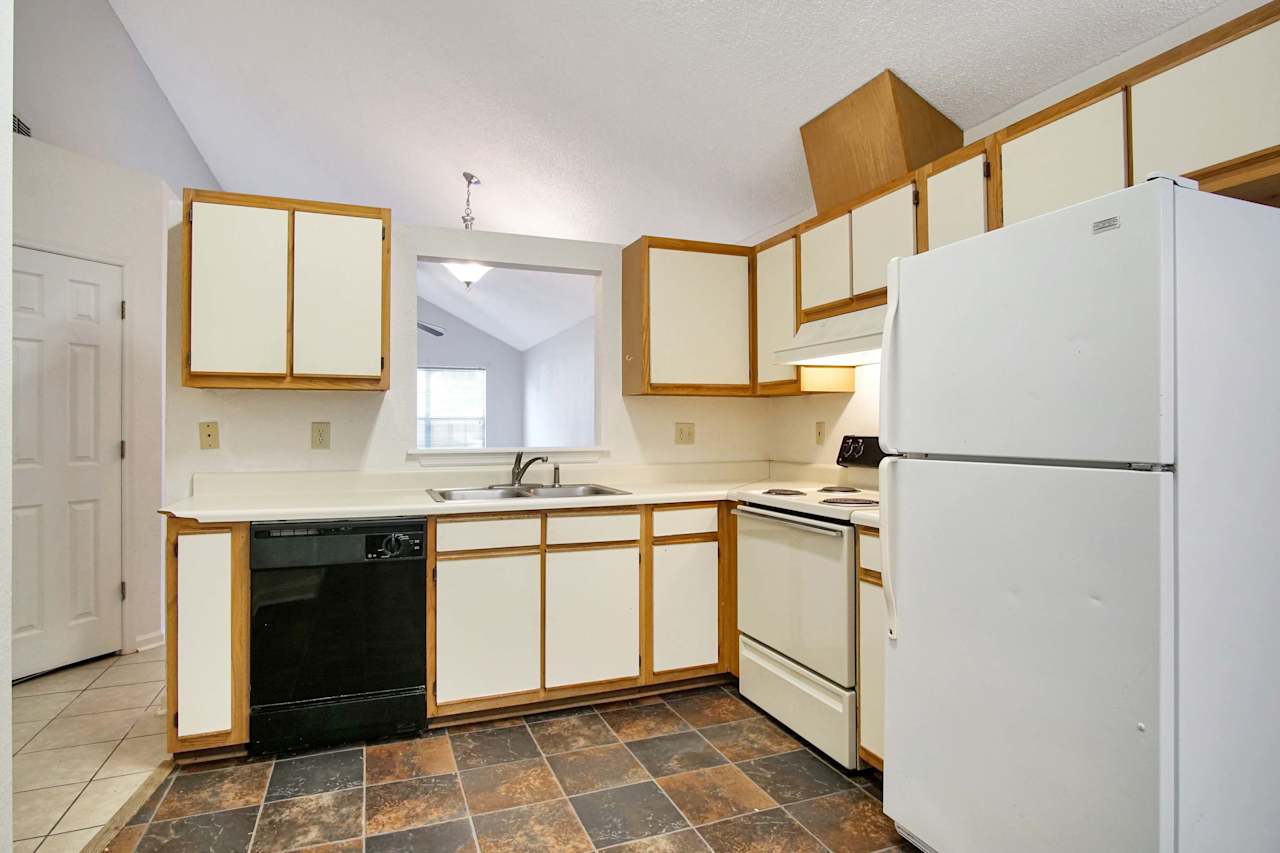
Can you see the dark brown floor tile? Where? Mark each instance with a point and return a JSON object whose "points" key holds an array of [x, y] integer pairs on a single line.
{"points": [[632, 702], [222, 763], [624, 814], [126, 840], [351, 845], [705, 796], [405, 759], [677, 753], [492, 746], [487, 725], [849, 821], [215, 791], [685, 841], [761, 832], [550, 827], [505, 786], [148, 809], [644, 721], [871, 782], [308, 821], [218, 832], [599, 767], [794, 776], [555, 715], [568, 733], [452, 837], [413, 802], [710, 708], [316, 774], [750, 738]]}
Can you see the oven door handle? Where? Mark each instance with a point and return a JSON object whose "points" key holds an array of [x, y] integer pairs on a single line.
{"points": [[806, 524]]}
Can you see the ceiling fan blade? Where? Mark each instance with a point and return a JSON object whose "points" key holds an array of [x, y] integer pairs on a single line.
{"points": [[430, 329]]}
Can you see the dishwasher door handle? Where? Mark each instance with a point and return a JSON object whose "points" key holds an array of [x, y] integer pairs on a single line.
{"points": [[805, 524]]}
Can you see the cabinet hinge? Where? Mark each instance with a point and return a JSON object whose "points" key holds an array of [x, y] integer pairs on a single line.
{"points": [[122, 448], [188, 361], [190, 210], [915, 197], [384, 232], [382, 363], [433, 687], [122, 309], [986, 168], [175, 720], [124, 590]]}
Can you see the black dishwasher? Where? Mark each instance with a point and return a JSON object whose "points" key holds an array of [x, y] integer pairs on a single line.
{"points": [[337, 644]]}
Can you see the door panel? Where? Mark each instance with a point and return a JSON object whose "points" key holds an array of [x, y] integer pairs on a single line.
{"points": [[957, 199], [686, 605], [1029, 667], [66, 460], [775, 309], [1043, 340], [204, 633], [871, 640], [593, 615], [882, 229], [699, 329], [825, 265]]}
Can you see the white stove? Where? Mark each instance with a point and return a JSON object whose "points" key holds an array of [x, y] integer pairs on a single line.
{"points": [[837, 503]]}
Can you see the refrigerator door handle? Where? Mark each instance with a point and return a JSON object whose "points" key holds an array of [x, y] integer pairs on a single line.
{"points": [[886, 560], [886, 360]]}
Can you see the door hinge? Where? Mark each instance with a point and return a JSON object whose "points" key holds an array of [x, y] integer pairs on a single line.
{"points": [[124, 590], [122, 308], [986, 168], [915, 197], [122, 448]]}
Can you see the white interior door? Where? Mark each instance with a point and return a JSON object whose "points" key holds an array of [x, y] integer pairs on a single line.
{"points": [[66, 460], [1028, 692]]}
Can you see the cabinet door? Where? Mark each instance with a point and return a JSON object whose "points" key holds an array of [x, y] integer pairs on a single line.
{"points": [[686, 605], [337, 295], [883, 229], [204, 599], [699, 312], [488, 630], [593, 615], [957, 199], [1221, 105], [775, 309], [1075, 158], [239, 298], [825, 270], [871, 637]]}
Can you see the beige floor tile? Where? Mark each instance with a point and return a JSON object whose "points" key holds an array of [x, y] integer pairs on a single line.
{"points": [[23, 732], [27, 845], [135, 673], [44, 706], [69, 842], [150, 723], [155, 653], [59, 766], [95, 701], [62, 681], [100, 800], [90, 728], [135, 755], [36, 812]]}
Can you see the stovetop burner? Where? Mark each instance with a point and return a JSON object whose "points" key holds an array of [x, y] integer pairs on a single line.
{"points": [[839, 489], [851, 501], [784, 492]]}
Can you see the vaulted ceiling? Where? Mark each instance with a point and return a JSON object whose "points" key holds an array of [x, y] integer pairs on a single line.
{"points": [[587, 119]]}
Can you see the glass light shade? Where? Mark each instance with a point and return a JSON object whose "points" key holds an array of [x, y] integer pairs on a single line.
{"points": [[467, 273]]}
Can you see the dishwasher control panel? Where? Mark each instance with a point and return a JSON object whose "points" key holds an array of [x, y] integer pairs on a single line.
{"points": [[378, 546]]}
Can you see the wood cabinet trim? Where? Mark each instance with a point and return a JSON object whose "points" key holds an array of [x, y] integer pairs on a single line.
{"points": [[871, 576], [686, 538], [871, 758], [482, 553], [590, 511], [567, 547], [484, 516]]}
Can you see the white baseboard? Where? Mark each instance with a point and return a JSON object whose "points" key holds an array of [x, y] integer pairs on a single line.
{"points": [[149, 641]]}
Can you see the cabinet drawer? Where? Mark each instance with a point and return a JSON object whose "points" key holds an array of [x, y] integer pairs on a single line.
{"points": [[681, 522], [565, 529], [869, 551], [470, 535], [816, 709]]}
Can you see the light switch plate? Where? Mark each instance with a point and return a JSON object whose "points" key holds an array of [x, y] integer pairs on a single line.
{"points": [[208, 435], [320, 435], [819, 432], [684, 433]]}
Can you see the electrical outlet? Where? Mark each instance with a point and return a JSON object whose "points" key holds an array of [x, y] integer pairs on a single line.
{"points": [[684, 433], [820, 432], [208, 435], [320, 435]]}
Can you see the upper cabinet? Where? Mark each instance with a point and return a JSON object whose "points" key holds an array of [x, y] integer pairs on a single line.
{"points": [[1218, 106], [281, 293], [686, 318], [826, 264], [883, 228], [775, 311], [955, 197], [1076, 157]]}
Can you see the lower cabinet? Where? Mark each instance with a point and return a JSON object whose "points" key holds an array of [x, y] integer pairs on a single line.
{"points": [[686, 606], [871, 648], [593, 616], [488, 626]]}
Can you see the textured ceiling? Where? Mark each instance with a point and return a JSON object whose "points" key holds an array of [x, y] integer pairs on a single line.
{"points": [[587, 119]]}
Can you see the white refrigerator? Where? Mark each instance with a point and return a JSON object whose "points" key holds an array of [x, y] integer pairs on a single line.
{"points": [[1081, 531]]}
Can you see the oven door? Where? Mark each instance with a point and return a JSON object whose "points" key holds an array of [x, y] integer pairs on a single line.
{"points": [[796, 589]]}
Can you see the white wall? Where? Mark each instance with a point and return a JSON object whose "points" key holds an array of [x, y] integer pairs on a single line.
{"points": [[6, 420], [466, 346], [559, 389], [80, 84], [75, 205]]}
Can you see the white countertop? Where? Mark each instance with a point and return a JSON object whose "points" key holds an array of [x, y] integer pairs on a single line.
{"points": [[867, 518]]}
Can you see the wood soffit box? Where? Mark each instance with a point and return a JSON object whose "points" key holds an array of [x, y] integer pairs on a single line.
{"points": [[877, 133]]}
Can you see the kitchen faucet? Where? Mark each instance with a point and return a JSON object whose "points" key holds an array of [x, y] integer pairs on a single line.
{"points": [[518, 470]]}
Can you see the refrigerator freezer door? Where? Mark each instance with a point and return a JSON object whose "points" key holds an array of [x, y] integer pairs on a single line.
{"points": [[1027, 690], [1051, 339]]}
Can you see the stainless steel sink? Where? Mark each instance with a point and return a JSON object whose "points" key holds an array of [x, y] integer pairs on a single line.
{"points": [[580, 490], [492, 493]]}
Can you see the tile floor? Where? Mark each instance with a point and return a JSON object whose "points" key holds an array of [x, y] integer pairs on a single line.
{"points": [[84, 739], [695, 771]]}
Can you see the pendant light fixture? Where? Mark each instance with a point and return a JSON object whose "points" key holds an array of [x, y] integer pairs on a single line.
{"points": [[467, 272]]}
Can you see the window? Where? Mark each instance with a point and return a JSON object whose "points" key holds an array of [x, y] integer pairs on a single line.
{"points": [[451, 407]]}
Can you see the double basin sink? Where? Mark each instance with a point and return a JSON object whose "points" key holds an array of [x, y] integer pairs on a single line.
{"points": [[532, 490]]}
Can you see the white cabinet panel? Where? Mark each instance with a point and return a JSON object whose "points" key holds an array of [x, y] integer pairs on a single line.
{"points": [[1075, 158], [869, 551], [239, 289], [882, 229], [487, 626], [565, 529], [825, 270], [593, 615], [679, 522], [957, 199], [775, 309], [1221, 105], [204, 633], [699, 310], [871, 639], [337, 295], [686, 606], [488, 533]]}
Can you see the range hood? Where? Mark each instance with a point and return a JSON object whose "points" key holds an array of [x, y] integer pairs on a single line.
{"points": [[845, 340]]}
